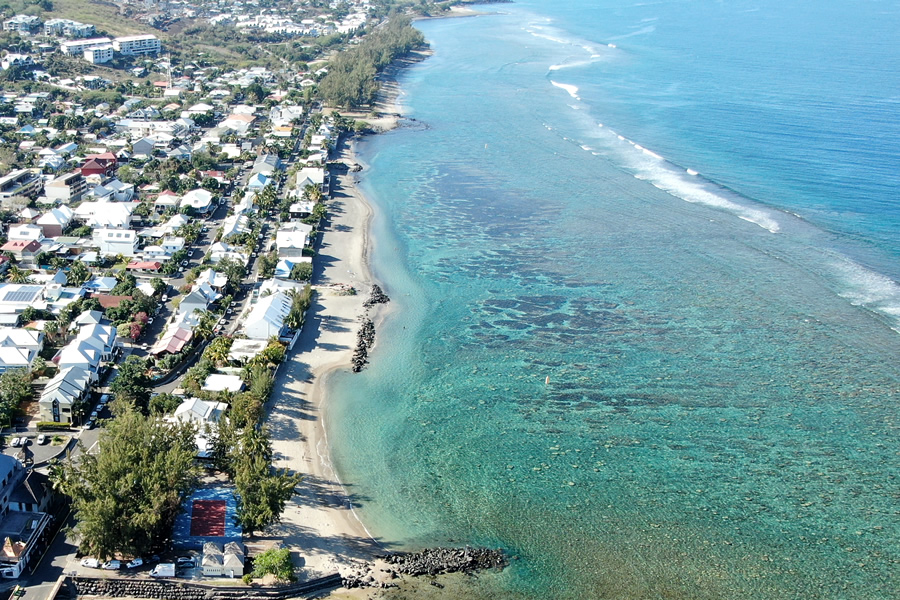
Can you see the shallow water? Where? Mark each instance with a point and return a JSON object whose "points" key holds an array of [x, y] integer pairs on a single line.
{"points": [[720, 418]]}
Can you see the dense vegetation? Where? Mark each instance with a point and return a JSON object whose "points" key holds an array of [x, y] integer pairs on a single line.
{"points": [[351, 81], [126, 496]]}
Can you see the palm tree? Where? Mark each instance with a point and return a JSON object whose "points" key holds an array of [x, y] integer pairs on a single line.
{"points": [[16, 275], [204, 329]]}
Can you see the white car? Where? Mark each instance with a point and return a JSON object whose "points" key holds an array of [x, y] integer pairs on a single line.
{"points": [[150, 321], [92, 563], [135, 563], [41, 439], [112, 565], [88, 425], [15, 442], [165, 297], [23, 441]]}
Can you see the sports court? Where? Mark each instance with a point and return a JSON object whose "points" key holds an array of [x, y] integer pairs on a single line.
{"points": [[208, 516]]}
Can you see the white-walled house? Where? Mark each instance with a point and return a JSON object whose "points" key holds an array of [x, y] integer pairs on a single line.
{"points": [[267, 317], [111, 242], [19, 347]]}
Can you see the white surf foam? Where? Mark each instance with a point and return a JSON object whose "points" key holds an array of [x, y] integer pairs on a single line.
{"points": [[869, 289], [653, 168], [571, 89]]}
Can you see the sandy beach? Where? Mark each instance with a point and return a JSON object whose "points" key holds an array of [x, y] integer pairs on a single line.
{"points": [[319, 523]]}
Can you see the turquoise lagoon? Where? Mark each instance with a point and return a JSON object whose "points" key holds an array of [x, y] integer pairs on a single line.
{"points": [[686, 216]]}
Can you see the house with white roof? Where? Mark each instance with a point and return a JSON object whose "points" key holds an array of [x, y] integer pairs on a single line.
{"points": [[199, 199], [290, 241], [70, 385], [102, 337], [81, 354], [165, 201], [26, 232], [213, 279], [222, 250], [55, 221], [311, 176], [106, 215], [16, 297], [200, 412], [266, 319], [235, 225], [19, 347], [111, 242]]}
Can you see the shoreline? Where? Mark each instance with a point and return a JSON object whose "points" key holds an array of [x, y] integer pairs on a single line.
{"points": [[320, 523]]}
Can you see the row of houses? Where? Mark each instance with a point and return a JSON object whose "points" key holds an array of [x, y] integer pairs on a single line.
{"points": [[81, 363]]}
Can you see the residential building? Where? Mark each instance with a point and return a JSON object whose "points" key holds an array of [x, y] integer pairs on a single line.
{"points": [[267, 164], [77, 47], [55, 221], [98, 55], [108, 215], [291, 239], [22, 182], [66, 188], [222, 562], [111, 242], [26, 232], [61, 393], [137, 44], [68, 28], [200, 200], [23, 527], [24, 24], [16, 60], [16, 297], [23, 251], [19, 347], [200, 412], [266, 319]]}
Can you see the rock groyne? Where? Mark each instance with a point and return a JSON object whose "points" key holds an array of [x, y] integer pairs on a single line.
{"points": [[431, 562]]}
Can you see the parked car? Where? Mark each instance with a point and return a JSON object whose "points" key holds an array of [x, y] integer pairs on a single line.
{"points": [[165, 297], [112, 565], [23, 441], [150, 321], [184, 562], [135, 563], [15, 442], [184, 263], [95, 414], [163, 570], [104, 399], [41, 439], [88, 425], [92, 563]]}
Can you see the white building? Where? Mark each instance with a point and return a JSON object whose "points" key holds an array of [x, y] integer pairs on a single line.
{"points": [[78, 47], [19, 347], [111, 242], [267, 317], [137, 44], [99, 55]]}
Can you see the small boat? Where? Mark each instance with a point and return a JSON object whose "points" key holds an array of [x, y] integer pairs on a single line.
{"points": [[547, 381]]}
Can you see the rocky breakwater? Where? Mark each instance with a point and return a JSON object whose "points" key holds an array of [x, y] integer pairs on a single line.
{"points": [[431, 561], [365, 337], [376, 296]]}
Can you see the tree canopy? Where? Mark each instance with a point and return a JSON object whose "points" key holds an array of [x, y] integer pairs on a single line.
{"points": [[127, 495], [132, 385]]}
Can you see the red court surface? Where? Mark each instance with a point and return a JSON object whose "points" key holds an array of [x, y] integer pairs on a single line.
{"points": [[208, 518]]}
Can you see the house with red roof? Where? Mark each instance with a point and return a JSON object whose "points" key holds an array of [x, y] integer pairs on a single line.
{"points": [[22, 250]]}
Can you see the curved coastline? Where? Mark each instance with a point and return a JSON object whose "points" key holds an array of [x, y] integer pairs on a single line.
{"points": [[320, 524]]}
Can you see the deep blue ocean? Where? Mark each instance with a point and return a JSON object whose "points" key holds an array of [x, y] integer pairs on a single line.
{"points": [[686, 215]]}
